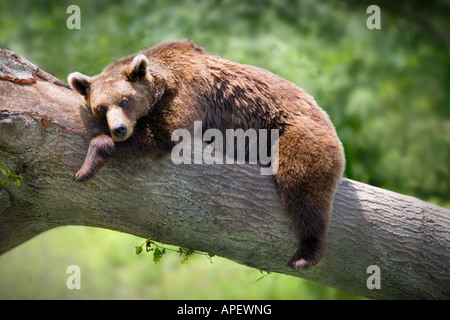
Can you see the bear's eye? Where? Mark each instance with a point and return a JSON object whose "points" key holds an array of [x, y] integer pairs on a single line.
{"points": [[101, 109], [124, 102]]}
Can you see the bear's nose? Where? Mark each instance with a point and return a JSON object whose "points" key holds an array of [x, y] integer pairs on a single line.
{"points": [[120, 131]]}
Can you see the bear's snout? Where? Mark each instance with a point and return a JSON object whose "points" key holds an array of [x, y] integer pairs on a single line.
{"points": [[120, 131], [119, 123]]}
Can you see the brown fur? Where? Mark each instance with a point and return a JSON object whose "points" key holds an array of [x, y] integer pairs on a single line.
{"points": [[173, 84]]}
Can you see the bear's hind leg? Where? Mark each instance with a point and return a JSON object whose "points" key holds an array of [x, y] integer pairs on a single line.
{"points": [[312, 226], [310, 166], [310, 213]]}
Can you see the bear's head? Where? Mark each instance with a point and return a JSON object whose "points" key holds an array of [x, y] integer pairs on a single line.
{"points": [[123, 93]]}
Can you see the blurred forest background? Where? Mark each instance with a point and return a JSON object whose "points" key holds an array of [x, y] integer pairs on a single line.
{"points": [[386, 91]]}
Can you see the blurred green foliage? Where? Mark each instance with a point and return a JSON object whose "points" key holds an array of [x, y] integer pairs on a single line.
{"points": [[110, 269], [386, 91]]}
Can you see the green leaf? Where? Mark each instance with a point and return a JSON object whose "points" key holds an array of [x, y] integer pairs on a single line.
{"points": [[157, 255], [138, 249]]}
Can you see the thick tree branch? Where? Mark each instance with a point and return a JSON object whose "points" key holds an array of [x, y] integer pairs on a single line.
{"points": [[228, 210]]}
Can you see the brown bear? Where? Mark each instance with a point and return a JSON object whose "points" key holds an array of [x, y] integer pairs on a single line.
{"points": [[144, 97]]}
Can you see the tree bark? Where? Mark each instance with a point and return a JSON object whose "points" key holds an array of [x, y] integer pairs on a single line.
{"points": [[227, 210]]}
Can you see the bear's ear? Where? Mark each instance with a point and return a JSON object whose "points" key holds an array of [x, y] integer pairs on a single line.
{"points": [[80, 83], [137, 68]]}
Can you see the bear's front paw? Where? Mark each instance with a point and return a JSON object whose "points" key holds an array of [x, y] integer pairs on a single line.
{"points": [[82, 175], [90, 167], [101, 149]]}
